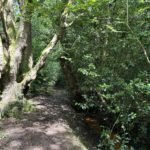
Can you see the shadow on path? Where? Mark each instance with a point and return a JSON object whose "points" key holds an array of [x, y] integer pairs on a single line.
{"points": [[49, 128]]}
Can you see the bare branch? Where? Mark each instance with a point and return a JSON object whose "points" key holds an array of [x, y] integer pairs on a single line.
{"points": [[141, 45], [31, 75], [4, 31], [22, 42], [137, 39], [3, 56], [8, 19]]}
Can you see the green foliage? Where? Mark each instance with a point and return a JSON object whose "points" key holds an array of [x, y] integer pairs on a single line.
{"points": [[2, 136], [46, 78], [17, 109], [43, 30], [105, 46]]}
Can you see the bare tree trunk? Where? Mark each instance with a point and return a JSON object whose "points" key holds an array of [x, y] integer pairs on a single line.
{"points": [[71, 80], [27, 59]]}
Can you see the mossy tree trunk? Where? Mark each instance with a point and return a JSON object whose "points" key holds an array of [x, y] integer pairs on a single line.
{"points": [[16, 68]]}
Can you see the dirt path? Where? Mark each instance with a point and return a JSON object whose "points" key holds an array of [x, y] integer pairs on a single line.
{"points": [[49, 128]]}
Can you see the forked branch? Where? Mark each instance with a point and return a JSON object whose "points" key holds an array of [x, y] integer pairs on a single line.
{"points": [[31, 75]]}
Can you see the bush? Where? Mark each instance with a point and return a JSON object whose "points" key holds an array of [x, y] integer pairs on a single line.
{"points": [[17, 109]]}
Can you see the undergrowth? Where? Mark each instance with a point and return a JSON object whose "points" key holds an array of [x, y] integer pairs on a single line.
{"points": [[17, 109]]}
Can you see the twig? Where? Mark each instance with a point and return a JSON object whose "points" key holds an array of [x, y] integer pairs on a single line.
{"points": [[137, 39]]}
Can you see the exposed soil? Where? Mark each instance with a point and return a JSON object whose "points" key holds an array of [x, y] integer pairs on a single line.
{"points": [[54, 126]]}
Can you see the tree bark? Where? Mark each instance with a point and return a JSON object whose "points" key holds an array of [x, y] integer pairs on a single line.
{"points": [[19, 52], [71, 80], [27, 59], [12, 93]]}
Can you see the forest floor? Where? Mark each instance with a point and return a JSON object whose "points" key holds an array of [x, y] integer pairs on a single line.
{"points": [[53, 126]]}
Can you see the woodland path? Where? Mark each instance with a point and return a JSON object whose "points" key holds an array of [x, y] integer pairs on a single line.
{"points": [[53, 126]]}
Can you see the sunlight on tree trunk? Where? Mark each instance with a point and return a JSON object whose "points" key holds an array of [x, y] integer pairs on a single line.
{"points": [[19, 52]]}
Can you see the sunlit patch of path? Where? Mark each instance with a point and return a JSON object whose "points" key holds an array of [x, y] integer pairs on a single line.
{"points": [[46, 129]]}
